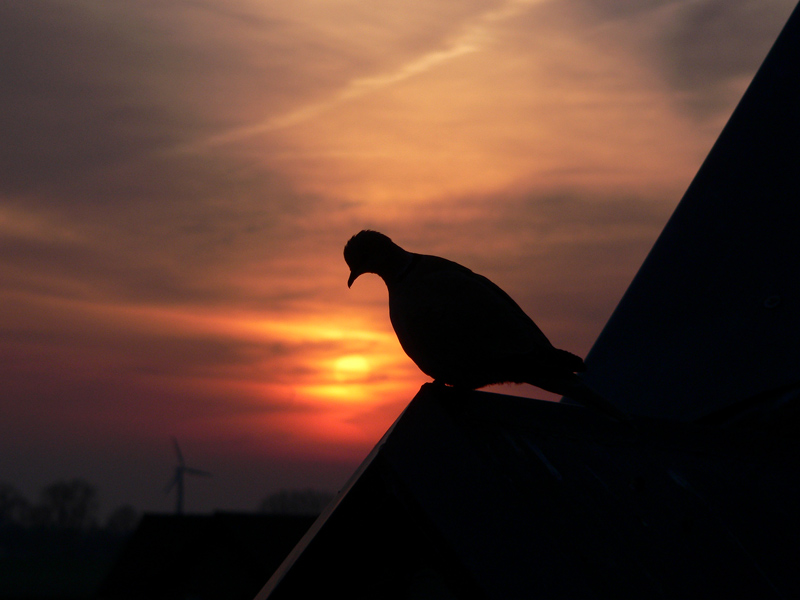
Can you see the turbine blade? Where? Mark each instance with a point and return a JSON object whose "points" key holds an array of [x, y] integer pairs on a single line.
{"points": [[191, 471], [178, 451], [171, 485]]}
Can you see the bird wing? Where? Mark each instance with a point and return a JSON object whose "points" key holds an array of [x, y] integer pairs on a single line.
{"points": [[443, 311]]}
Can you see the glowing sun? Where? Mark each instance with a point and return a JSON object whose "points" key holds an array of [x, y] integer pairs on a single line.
{"points": [[351, 367]]}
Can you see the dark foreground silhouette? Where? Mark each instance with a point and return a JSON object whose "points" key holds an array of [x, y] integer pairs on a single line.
{"points": [[462, 329]]}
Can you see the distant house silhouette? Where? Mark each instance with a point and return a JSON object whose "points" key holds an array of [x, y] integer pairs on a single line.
{"points": [[207, 557], [477, 495]]}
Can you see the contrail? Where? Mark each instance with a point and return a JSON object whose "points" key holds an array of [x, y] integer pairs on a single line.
{"points": [[472, 38]]}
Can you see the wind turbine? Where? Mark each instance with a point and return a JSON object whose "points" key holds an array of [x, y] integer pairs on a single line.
{"points": [[180, 471]]}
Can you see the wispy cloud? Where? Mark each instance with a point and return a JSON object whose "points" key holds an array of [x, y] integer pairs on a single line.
{"points": [[472, 37], [19, 225]]}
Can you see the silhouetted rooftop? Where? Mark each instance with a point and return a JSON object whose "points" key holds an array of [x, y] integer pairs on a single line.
{"points": [[473, 494]]}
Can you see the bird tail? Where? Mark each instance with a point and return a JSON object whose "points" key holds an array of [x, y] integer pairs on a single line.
{"points": [[574, 388]]}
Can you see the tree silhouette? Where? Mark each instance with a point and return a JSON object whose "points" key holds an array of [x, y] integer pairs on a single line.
{"points": [[69, 504], [14, 508]]}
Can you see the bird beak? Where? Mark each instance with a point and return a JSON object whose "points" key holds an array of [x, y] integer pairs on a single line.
{"points": [[353, 277]]}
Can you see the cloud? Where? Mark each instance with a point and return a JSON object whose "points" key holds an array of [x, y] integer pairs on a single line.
{"points": [[93, 86], [707, 51], [62, 110], [698, 56], [20, 226]]}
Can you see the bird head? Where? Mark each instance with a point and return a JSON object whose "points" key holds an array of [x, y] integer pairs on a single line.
{"points": [[369, 252]]}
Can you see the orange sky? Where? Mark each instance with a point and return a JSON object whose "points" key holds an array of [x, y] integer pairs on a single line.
{"points": [[178, 179]]}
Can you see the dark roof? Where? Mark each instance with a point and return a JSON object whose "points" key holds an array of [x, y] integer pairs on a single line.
{"points": [[480, 495], [221, 556], [711, 318]]}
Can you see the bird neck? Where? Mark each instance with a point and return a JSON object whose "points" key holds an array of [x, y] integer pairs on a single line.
{"points": [[397, 266]]}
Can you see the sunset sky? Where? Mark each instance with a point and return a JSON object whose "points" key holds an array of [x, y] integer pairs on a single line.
{"points": [[178, 179]]}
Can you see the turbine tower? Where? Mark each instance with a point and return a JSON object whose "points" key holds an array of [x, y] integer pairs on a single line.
{"points": [[177, 481]]}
